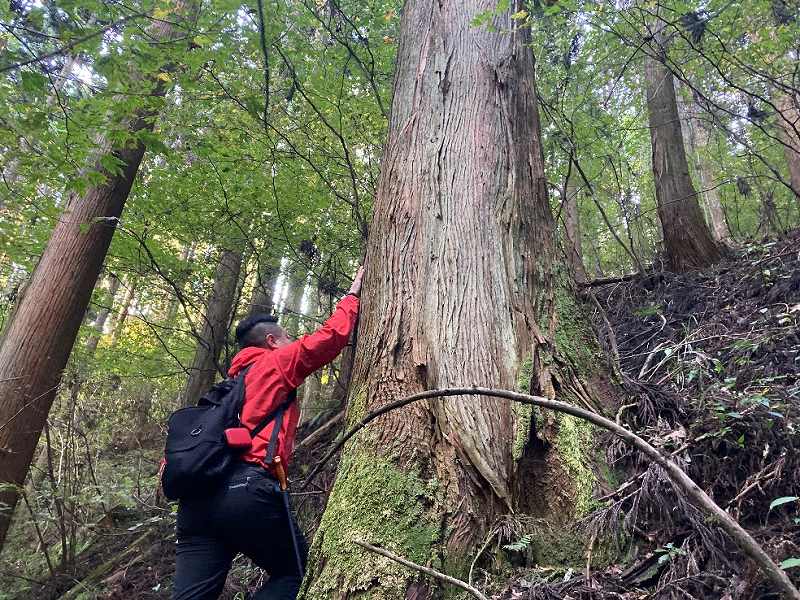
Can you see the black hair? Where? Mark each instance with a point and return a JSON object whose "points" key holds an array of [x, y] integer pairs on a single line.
{"points": [[250, 331]]}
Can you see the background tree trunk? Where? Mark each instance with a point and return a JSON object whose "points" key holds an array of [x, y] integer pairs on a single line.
{"points": [[264, 290], [186, 256], [789, 128], [215, 326], [291, 319], [459, 291], [572, 230], [125, 307], [311, 399], [696, 138], [38, 339], [687, 241], [102, 316]]}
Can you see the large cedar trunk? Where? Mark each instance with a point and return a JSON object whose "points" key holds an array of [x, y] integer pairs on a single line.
{"points": [[789, 127], [216, 319], [688, 243], [460, 290], [37, 341]]}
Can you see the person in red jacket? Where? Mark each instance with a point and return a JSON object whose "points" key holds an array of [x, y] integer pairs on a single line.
{"points": [[247, 515]]}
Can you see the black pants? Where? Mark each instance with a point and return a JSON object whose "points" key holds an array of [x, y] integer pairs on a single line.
{"points": [[246, 515]]}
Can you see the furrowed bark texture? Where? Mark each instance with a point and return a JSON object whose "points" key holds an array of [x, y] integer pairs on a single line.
{"points": [[205, 365], [38, 339], [789, 127], [687, 240], [459, 288]]}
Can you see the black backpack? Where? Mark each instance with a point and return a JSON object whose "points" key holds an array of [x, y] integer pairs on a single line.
{"points": [[197, 454]]}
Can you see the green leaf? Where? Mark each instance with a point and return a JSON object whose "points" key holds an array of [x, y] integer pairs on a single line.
{"points": [[790, 563], [783, 500], [33, 82]]}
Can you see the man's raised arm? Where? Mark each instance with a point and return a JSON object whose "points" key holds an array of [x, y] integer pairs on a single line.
{"points": [[311, 352]]}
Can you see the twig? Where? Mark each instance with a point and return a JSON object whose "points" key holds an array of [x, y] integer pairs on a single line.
{"points": [[678, 476], [426, 570], [478, 555], [38, 533]]}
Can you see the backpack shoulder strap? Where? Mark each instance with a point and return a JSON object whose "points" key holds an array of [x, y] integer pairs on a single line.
{"points": [[277, 416]]}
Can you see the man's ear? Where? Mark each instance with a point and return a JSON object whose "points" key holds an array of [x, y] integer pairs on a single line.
{"points": [[270, 341]]}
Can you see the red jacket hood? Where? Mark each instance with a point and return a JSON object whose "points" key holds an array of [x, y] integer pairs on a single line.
{"points": [[245, 357]]}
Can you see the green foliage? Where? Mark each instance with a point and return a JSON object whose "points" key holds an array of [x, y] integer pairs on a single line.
{"points": [[229, 159]]}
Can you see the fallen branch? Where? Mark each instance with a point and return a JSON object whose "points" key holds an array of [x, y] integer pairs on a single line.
{"points": [[607, 280], [426, 570], [317, 433], [743, 540]]}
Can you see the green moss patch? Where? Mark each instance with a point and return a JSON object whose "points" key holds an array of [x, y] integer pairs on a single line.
{"points": [[374, 501]]}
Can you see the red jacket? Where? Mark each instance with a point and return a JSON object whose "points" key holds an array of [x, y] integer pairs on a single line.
{"points": [[277, 372]]}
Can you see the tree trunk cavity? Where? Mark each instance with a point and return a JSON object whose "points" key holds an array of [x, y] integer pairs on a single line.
{"points": [[215, 326], [460, 290], [38, 339], [688, 243]]}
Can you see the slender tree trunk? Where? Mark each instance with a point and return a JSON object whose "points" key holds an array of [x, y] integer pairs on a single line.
{"points": [[204, 367], [572, 229], [687, 240], [125, 307], [174, 303], [460, 289], [291, 319], [264, 291], [789, 128], [38, 340], [696, 139], [311, 404], [713, 203], [102, 316]]}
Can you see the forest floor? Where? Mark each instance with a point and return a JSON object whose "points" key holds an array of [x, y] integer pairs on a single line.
{"points": [[710, 366]]}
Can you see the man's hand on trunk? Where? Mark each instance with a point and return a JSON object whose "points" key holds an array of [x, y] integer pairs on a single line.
{"points": [[355, 288]]}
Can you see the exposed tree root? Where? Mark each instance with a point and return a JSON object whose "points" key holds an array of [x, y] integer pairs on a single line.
{"points": [[678, 476]]}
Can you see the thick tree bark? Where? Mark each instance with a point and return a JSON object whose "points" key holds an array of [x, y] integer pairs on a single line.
{"points": [[789, 127], [38, 340], [687, 240], [459, 291], [214, 334]]}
